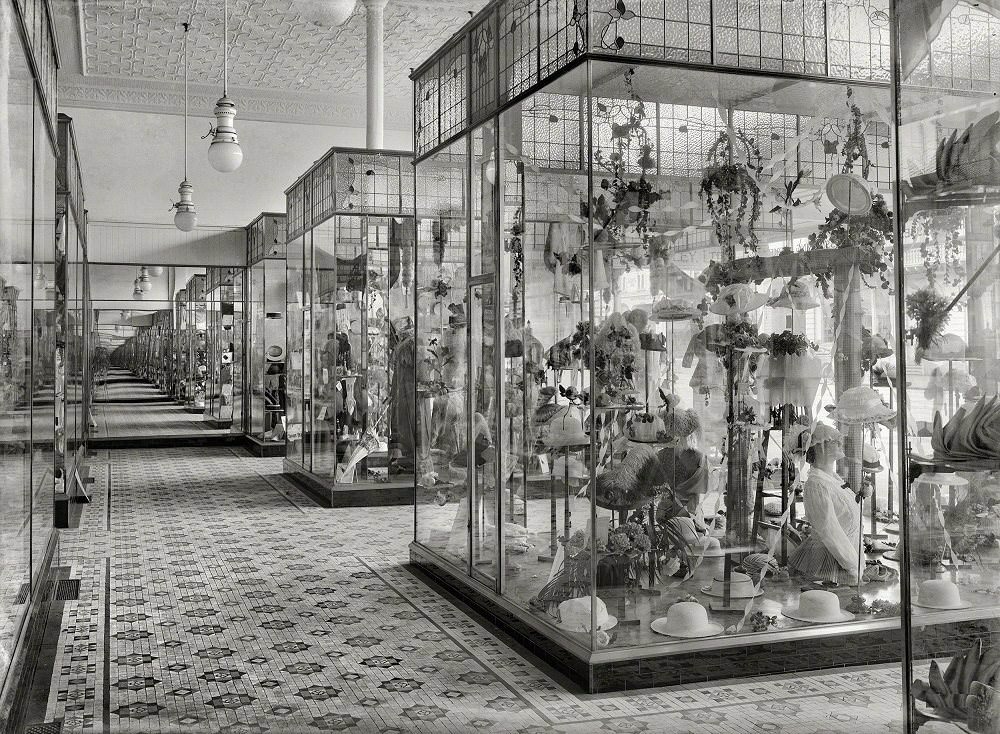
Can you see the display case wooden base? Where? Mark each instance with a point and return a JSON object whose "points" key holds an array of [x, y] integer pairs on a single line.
{"points": [[328, 493]]}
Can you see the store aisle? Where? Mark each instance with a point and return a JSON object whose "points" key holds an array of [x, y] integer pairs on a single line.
{"points": [[126, 406], [215, 598]]}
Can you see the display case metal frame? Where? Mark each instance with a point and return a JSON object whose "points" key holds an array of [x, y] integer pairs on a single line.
{"points": [[356, 189], [265, 320]]}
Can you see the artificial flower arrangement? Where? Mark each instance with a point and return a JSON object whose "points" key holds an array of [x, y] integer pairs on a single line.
{"points": [[940, 234], [731, 191], [870, 233], [792, 372], [929, 312], [788, 344], [627, 203], [623, 558]]}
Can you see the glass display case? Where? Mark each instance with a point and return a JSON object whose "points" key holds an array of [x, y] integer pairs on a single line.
{"points": [[224, 329], [71, 321], [264, 416], [196, 345], [181, 348], [349, 326], [657, 334], [949, 291]]}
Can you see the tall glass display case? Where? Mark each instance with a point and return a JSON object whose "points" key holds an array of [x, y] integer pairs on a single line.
{"points": [[949, 291], [197, 344], [264, 415], [349, 323], [224, 330], [657, 337], [181, 348]]}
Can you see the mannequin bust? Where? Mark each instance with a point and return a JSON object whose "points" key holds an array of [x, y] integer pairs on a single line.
{"points": [[832, 550]]}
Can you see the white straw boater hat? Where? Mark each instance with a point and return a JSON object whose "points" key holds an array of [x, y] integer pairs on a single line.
{"points": [[741, 586], [275, 353], [686, 619], [819, 607], [737, 298], [566, 429], [940, 594], [574, 615], [861, 405]]}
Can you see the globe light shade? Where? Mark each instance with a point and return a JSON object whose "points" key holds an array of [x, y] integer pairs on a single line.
{"points": [[186, 218], [224, 153], [145, 286], [490, 170], [156, 270], [328, 13]]}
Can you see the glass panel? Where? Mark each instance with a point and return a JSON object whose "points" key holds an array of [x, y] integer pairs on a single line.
{"points": [[255, 351], [483, 451], [273, 349], [441, 354], [951, 299], [296, 310], [15, 331], [333, 354], [401, 404], [46, 337]]}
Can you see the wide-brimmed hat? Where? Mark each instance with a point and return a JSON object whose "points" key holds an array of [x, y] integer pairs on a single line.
{"points": [[861, 405], [577, 469], [741, 586], [819, 607], [673, 309], [798, 295], [945, 347], [737, 298], [574, 615], [684, 470], [686, 619], [275, 353], [940, 594], [566, 429]]}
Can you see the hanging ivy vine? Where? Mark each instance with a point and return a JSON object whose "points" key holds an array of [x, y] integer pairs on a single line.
{"points": [[731, 191]]}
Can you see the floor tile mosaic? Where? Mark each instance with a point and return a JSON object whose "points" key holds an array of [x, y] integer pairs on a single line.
{"points": [[216, 598]]}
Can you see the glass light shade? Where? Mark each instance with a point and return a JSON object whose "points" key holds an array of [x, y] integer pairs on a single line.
{"points": [[145, 286], [137, 295], [156, 270], [185, 221], [225, 154]]}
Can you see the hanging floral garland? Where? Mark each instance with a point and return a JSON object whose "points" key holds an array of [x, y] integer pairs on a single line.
{"points": [[731, 191]]}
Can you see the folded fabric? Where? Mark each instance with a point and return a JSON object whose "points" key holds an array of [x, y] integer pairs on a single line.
{"points": [[970, 434]]}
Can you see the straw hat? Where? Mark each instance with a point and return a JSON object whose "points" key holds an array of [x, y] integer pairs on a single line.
{"points": [[566, 429], [737, 298], [940, 594], [870, 460], [818, 606], [275, 353], [686, 619], [574, 615], [673, 309], [945, 347], [741, 586], [861, 405], [798, 295]]}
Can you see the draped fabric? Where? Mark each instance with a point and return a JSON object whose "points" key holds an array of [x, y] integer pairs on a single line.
{"points": [[920, 22], [832, 550]]}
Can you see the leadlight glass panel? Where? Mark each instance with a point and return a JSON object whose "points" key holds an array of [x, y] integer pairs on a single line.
{"points": [[322, 190], [962, 54], [428, 122], [677, 30], [453, 88], [561, 33], [518, 48], [483, 65], [551, 130], [776, 36], [859, 39], [686, 135]]}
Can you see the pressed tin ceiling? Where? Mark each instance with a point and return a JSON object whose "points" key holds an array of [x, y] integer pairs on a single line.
{"points": [[284, 61]]}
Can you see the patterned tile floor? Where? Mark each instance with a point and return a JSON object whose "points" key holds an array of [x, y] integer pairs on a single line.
{"points": [[215, 598]]}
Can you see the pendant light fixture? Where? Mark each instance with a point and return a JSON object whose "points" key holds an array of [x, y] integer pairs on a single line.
{"points": [[225, 153], [186, 217], [143, 281]]}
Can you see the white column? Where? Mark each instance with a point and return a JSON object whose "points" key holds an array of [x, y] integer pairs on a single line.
{"points": [[375, 59]]}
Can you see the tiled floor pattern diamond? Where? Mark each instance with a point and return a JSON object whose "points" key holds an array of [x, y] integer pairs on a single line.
{"points": [[215, 598]]}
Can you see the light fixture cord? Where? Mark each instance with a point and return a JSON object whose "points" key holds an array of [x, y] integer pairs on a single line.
{"points": [[225, 48], [187, 27]]}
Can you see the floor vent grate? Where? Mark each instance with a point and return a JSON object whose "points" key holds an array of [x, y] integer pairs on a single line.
{"points": [[68, 590], [22, 594], [49, 727]]}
